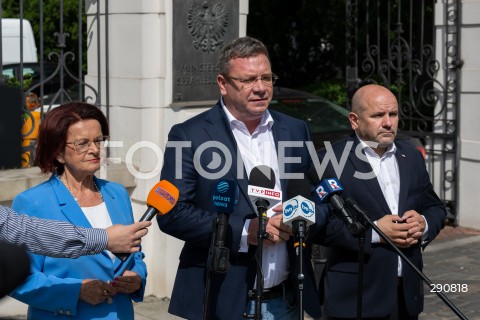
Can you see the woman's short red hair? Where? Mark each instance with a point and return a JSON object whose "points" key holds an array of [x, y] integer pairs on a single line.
{"points": [[52, 134]]}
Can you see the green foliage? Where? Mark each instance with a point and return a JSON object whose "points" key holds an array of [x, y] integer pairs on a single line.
{"points": [[332, 90], [51, 25], [13, 82], [306, 39]]}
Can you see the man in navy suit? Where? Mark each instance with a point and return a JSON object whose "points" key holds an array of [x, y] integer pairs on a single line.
{"points": [[388, 179], [228, 141]]}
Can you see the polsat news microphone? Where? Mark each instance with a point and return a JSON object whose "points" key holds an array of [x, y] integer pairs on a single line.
{"points": [[161, 199]]}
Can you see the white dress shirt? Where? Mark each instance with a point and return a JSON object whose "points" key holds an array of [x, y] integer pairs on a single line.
{"points": [[99, 218], [386, 170], [256, 149]]}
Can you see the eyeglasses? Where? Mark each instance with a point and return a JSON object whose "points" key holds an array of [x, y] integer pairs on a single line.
{"points": [[268, 80], [82, 145]]}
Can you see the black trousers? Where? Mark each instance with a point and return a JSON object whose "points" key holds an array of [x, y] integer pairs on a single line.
{"points": [[399, 313]]}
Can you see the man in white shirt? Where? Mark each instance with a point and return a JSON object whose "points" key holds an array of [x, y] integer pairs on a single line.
{"points": [[388, 179], [240, 132]]}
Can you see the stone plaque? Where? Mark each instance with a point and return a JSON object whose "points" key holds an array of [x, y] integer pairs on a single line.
{"points": [[200, 30]]}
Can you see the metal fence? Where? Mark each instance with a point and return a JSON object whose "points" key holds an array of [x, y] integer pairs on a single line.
{"points": [[395, 43], [57, 72]]}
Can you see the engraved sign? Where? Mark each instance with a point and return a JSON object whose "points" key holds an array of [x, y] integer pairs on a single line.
{"points": [[207, 24], [200, 29]]}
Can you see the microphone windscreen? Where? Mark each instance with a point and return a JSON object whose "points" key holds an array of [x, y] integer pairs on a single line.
{"points": [[262, 176], [327, 188], [163, 197], [224, 195]]}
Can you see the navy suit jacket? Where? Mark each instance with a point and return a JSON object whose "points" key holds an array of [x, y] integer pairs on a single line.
{"points": [[191, 219], [380, 269]]}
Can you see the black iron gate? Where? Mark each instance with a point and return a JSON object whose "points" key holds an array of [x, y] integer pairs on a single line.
{"points": [[398, 43], [59, 74]]}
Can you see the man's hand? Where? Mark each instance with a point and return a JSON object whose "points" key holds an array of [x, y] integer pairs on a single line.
{"points": [[126, 239], [402, 231], [275, 228], [413, 217]]}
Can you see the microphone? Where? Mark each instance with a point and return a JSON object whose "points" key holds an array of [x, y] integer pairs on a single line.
{"points": [[224, 196], [352, 204], [260, 188], [160, 200], [299, 207], [330, 190]]}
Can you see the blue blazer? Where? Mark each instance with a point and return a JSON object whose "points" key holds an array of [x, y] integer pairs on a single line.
{"points": [[380, 269], [191, 219], [53, 287]]}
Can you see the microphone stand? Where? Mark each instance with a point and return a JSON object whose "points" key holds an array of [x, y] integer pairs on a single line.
{"points": [[299, 227], [361, 261], [366, 221], [262, 206], [218, 259], [358, 230]]}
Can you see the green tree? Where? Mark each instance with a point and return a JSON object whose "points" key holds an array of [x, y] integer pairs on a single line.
{"points": [[305, 38], [51, 25]]}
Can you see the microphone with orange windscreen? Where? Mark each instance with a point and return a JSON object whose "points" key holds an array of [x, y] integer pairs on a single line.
{"points": [[161, 199]]}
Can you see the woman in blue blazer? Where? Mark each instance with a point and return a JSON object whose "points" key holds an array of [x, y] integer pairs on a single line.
{"points": [[100, 286]]}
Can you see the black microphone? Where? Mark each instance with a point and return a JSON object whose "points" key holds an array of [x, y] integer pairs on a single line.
{"points": [[352, 204], [260, 188], [224, 197], [330, 190]]}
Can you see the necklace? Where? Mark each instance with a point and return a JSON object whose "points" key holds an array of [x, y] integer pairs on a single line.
{"points": [[75, 198]]}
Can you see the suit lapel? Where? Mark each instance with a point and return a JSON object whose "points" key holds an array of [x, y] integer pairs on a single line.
{"points": [[218, 129], [282, 133], [363, 166], [113, 206], [74, 214], [69, 207], [402, 161], [224, 134]]}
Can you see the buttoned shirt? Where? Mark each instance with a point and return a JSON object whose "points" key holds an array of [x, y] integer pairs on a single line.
{"points": [[256, 149], [50, 237], [386, 170]]}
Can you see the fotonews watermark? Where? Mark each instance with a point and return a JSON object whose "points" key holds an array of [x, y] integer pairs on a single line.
{"points": [[213, 160]]}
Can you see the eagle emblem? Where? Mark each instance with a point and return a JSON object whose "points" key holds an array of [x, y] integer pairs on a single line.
{"points": [[207, 22]]}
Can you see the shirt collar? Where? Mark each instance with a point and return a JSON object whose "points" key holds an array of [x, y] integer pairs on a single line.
{"points": [[392, 148], [266, 121]]}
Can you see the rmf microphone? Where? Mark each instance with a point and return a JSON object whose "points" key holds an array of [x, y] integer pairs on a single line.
{"points": [[160, 200], [224, 197], [330, 190], [298, 207], [260, 188]]}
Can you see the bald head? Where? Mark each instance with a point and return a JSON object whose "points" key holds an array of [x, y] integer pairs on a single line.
{"points": [[370, 95], [374, 116]]}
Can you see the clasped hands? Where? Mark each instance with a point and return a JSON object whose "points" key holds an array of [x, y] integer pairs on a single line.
{"points": [[97, 291], [276, 230], [404, 231]]}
